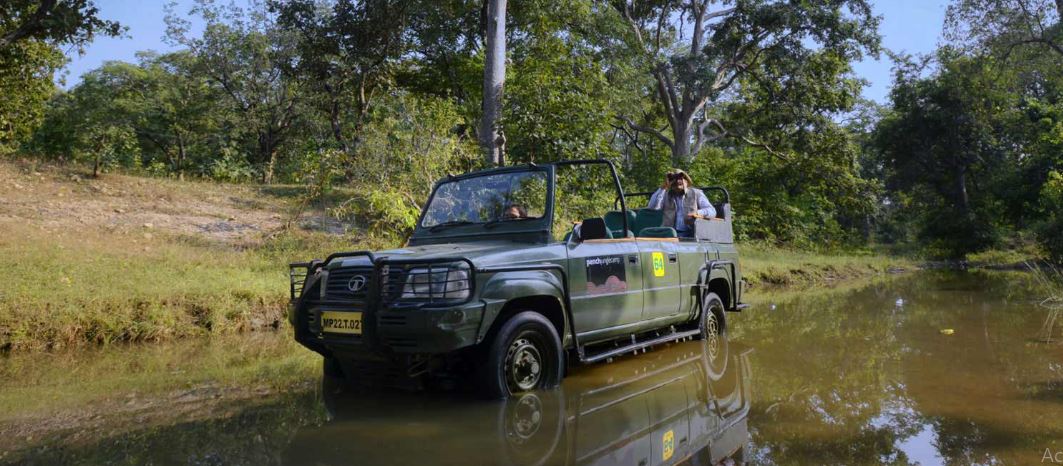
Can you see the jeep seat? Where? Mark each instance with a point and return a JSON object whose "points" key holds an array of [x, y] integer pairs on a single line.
{"points": [[647, 218], [658, 232], [594, 228], [614, 220]]}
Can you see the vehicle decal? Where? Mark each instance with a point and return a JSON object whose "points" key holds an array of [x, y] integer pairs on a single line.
{"points": [[606, 274], [658, 264], [669, 445]]}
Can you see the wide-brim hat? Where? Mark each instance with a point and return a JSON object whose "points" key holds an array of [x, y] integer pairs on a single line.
{"points": [[679, 171]]}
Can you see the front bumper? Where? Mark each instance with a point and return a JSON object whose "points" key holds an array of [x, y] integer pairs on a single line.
{"points": [[392, 329]]}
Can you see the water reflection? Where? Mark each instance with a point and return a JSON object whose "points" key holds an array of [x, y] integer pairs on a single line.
{"points": [[841, 376], [684, 403]]}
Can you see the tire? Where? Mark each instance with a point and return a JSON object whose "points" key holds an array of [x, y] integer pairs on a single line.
{"points": [[524, 355], [714, 334]]}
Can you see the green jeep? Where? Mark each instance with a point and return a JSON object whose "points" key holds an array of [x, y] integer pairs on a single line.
{"points": [[488, 288]]}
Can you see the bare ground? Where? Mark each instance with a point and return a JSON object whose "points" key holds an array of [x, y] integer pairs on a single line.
{"points": [[65, 199]]}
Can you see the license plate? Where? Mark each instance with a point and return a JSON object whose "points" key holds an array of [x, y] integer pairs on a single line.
{"points": [[341, 322]]}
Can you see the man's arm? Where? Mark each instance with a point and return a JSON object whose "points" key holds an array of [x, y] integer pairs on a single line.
{"points": [[656, 200], [705, 208]]}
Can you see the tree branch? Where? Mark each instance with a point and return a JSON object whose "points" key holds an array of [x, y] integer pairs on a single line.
{"points": [[30, 25], [646, 129], [746, 139]]}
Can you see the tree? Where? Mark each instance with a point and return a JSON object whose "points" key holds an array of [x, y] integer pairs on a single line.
{"points": [[248, 56], [347, 53], [696, 69], [26, 71], [30, 35], [1004, 25], [943, 142], [491, 136], [72, 22], [175, 109]]}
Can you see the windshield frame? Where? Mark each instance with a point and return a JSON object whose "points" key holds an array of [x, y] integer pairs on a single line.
{"points": [[478, 229], [537, 231]]}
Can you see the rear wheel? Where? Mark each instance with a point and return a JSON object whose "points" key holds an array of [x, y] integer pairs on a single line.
{"points": [[711, 321], [524, 355], [714, 332]]}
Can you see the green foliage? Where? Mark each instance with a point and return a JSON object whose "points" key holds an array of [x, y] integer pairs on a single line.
{"points": [[404, 150], [30, 35], [1050, 230], [942, 141], [26, 71]]}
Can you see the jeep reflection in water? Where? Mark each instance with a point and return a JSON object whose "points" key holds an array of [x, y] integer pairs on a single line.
{"points": [[484, 289]]}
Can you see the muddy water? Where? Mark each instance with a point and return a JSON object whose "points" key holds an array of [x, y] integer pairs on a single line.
{"points": [[927, 368]]}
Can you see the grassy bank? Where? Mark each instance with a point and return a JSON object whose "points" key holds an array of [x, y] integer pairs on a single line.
{"points": [[128, 259], [765, 265]]}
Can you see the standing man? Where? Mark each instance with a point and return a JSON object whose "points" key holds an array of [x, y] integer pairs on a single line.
{"points": [[681, 203]]}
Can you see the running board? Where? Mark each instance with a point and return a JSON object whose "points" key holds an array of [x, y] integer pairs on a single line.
{"points": [[635, 346], [739, 307]]}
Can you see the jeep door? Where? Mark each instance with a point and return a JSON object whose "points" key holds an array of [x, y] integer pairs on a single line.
{"points": [[605, 286], [661, 279]]}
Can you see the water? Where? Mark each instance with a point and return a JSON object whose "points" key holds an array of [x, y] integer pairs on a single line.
{"points": [[923, 368]]}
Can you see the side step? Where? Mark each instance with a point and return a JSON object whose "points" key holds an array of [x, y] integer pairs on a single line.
{"points": [[739, 307], [637, 345]]}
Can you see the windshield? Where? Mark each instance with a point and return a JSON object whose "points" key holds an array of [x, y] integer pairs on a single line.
{"points": [[491, 198]]}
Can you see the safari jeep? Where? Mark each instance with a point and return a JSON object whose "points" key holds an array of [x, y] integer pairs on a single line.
{"points": [[488, 289]]}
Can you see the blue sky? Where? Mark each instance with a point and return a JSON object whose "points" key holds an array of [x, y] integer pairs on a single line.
{"points": [[912, 26]]}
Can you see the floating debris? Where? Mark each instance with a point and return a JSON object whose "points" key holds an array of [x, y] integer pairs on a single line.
{"points": [[947, 331]]}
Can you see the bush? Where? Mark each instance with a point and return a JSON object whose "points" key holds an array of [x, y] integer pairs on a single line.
{"points": [[1050, 230]]}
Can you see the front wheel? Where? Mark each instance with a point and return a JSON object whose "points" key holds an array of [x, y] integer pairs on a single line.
{"points": [[524, 355]]}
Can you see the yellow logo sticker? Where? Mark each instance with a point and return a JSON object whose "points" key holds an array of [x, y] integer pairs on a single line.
{"points": [[669, 445], [658, 264]]}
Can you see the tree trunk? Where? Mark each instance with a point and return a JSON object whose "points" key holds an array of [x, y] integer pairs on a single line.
{"points": [[268, 154], [494, 77], [961, 191], [334, 119], [180, 156], [681, 136]]}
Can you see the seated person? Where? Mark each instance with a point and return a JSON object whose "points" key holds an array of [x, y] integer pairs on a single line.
{"points": [[514, 212], [681, 203]]}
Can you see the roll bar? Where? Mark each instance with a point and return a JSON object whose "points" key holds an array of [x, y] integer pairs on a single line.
{"points": [[726, 195]]}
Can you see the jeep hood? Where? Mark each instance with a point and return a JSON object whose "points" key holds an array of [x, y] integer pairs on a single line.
{"points": [[480, 253]]}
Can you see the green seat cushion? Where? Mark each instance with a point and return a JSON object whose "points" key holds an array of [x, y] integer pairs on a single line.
{"points": [[658, 232]]}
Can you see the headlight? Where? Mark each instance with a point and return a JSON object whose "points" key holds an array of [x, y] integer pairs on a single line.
{"points": [[444, 281]]}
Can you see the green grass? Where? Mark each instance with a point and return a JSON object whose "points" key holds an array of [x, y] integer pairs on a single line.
{"points": [[74, 287], [771, 265]]}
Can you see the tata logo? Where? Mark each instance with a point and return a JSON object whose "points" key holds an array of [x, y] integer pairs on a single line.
{"points": [[356, 283]]}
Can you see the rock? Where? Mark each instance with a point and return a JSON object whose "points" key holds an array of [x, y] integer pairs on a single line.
{"points": [[232, 219], [119, 211], [147, 236], [148, 225], [18, 186]]}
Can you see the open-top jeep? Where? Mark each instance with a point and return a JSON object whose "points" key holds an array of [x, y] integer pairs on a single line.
{"points": [[488, 288]]}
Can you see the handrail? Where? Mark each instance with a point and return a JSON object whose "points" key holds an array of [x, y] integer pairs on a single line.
{"points": [[726, 193]]}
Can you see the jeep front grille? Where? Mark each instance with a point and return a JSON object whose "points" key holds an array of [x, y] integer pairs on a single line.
{"points": [[348, 283]]}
